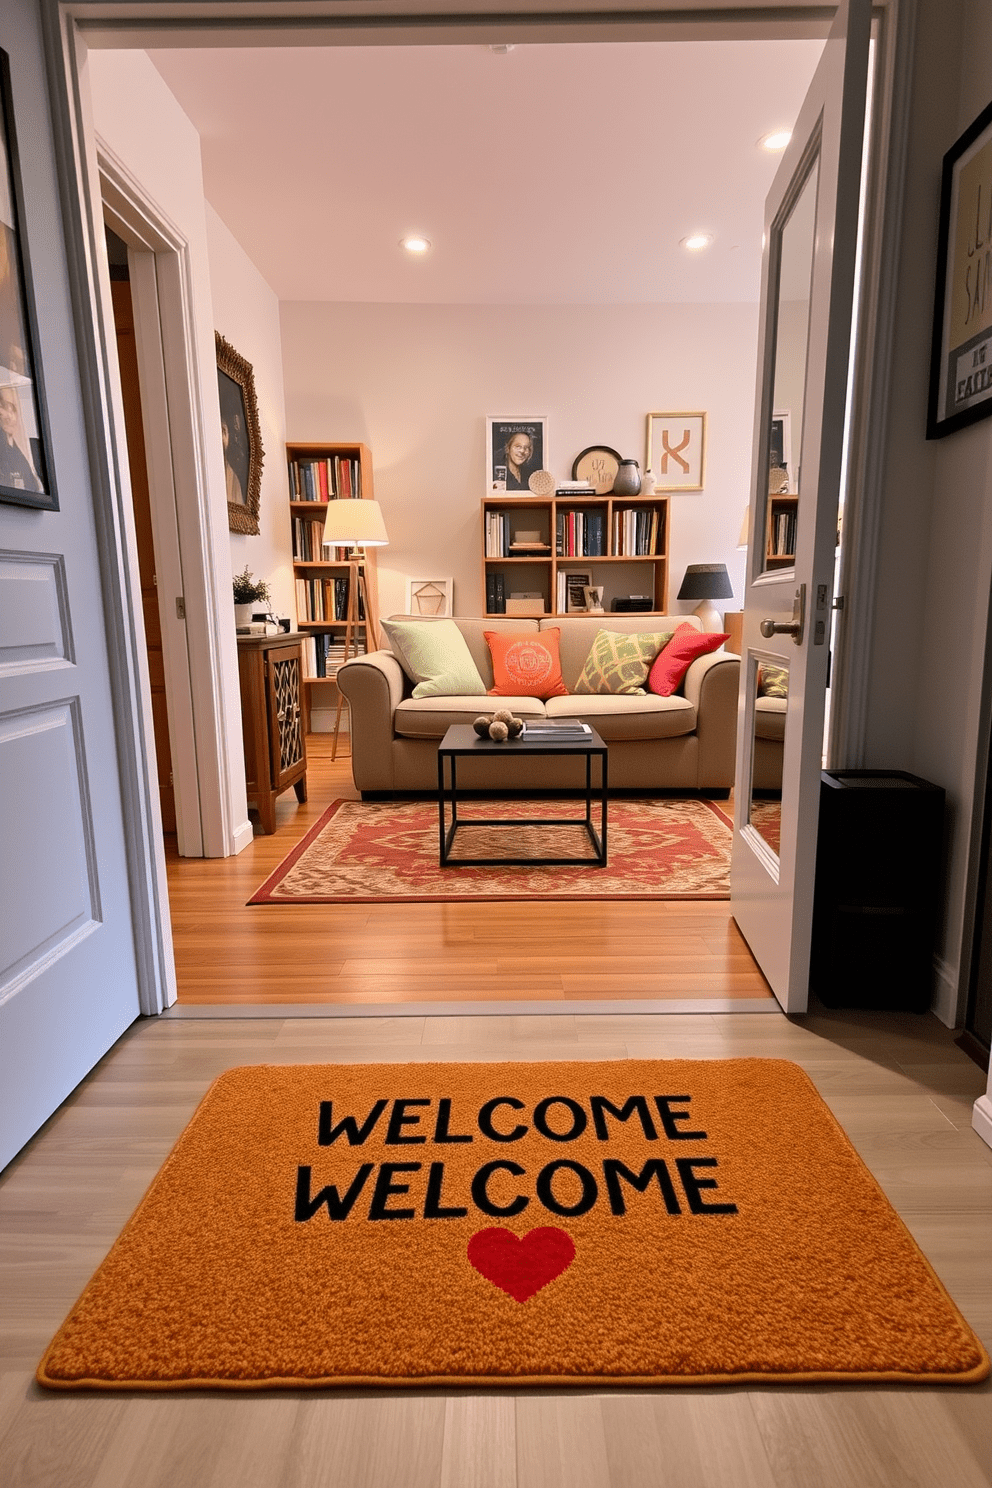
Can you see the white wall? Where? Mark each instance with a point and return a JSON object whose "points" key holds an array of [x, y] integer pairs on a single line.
{"points": [[932, 605], [416, 382], [246, 312]]}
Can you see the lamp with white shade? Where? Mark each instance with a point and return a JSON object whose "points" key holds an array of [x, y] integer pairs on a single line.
{"points": [[356, 524]]}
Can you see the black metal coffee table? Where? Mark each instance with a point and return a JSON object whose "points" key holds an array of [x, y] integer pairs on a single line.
{"points": [[462, 742]]}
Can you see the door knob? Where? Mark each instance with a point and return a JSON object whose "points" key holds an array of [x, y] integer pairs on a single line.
{"points": [[793, 627]]}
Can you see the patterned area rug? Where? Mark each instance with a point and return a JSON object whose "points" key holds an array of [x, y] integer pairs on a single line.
{"points": [[376, 851], [646, 1222]]}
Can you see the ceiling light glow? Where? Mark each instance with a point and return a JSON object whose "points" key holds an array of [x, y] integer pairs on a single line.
{"points": [[777, 140], [415, 244], [696, 241]]}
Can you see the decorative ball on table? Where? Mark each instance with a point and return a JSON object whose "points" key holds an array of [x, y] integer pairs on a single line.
{"points": [[499, 726], [499, 731], [542, 483], [516, 727], [481, 725], [502, 715]]}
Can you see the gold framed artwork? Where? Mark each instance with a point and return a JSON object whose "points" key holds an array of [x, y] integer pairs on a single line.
{"points": [[676, 451], [961, 357], [242, 437]]}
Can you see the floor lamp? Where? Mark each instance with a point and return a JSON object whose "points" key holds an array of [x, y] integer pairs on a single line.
{"points": [[355, 524]]}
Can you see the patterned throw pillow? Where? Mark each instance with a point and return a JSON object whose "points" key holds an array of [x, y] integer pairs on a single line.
{"points": [[773, 681], [435, 655], [620, 663], [526, 665], [675, 659]]}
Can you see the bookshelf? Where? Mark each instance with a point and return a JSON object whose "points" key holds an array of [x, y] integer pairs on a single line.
{"points": [[620, 541], [319, 473], [780, 549]]}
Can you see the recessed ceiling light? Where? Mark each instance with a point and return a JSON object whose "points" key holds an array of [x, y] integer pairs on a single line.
{"points": [[695, 241], [501, 48], [416, 244], [777, 140]]}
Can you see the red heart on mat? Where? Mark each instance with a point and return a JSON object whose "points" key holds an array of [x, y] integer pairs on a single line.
{"points": [[521, 1264]]}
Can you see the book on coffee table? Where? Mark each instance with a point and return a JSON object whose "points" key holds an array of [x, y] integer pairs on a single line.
{"points": [[556, 728]]}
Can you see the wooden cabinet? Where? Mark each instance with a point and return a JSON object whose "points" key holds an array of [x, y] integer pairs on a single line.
{"points": [[621, 542], [274, 720], [780, 549]]}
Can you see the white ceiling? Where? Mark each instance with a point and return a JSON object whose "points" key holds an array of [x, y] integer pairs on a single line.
{"points": [[554, 174]]}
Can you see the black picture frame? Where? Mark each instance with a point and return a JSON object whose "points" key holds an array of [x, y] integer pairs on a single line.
{"points": [[27, 476], [241, 435], [961, 354]]}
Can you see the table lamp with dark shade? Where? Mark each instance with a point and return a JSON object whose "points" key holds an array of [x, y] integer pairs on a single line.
{"points": [[706, 582]]}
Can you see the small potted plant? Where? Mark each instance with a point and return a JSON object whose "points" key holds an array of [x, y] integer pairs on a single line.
{"points": [[247, 593]]}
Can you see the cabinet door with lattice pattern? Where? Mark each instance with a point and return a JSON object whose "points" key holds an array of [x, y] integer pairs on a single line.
{"points": [[286, 737]]}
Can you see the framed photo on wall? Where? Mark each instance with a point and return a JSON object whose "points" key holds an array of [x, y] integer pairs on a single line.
{"points": [[515, 449], [676, 451], [241, 436], [26, 475], [961, 359], [429, 596], [780, 452]]}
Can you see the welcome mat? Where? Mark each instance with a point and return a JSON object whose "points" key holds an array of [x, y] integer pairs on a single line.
{"points": [[631, 1222], [376, 851]]}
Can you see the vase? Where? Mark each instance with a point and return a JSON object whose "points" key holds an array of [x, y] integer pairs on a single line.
{"points": [[242, 614], [628, 479]]}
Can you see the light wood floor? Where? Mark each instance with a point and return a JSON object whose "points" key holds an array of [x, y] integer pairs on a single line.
{"points": [[897, 1083], [343, 953]]}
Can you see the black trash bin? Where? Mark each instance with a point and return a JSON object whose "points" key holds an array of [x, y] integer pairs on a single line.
{"points": [[878, 876]]}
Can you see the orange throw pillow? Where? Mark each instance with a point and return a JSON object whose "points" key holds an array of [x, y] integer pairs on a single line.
{"points": [[526, 665], [674, 660]]}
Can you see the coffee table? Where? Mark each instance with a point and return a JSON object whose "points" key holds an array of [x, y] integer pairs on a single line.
{"points": [[462, 742]]}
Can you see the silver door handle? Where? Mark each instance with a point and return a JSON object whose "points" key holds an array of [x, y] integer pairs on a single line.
{"points": [[793, 627]]}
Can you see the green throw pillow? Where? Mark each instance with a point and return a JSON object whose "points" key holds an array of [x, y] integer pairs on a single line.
{"points": [[620, 663], [773, 681], [435, 655]]}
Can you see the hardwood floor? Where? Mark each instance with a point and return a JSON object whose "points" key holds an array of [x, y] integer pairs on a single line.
{"points": [[897, 1083], [342, 953]]}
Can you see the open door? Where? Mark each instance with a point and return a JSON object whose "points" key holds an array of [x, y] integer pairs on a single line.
{"points": [[807, 296]]}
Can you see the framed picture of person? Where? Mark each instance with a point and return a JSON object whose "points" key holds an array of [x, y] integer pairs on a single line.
{"points": [[26, 475], [515, 449], [961, 355], [241, 437]]}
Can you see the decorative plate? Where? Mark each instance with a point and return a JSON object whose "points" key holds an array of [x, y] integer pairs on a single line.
{"points": [[542, 483], [598, 464]]}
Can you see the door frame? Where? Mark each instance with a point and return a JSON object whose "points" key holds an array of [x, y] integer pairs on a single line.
{"points": [[69, 25]]}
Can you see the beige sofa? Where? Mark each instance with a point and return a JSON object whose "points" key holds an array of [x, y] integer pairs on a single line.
{"points": [[684, 742]]}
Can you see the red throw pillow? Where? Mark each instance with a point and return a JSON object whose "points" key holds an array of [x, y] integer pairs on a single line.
{"points": [[674, 660], [526, 665]]}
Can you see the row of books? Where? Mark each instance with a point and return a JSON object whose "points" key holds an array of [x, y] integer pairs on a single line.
{"points": [[636, 532], [324, 599], [308, 539], [501, 542], [784, 534], [325, 479], [323, 654], [580, 534], [495, 593]]}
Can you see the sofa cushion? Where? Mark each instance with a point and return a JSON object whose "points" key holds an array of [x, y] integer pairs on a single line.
{"points": [[579, 631], [769, 718], [435, 657], [474, 632], [619, 663], [674, 660], [525, 664], [431, 717], [628, 715], [773, 681]]}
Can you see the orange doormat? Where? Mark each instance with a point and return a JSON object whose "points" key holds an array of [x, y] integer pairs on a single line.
{"points": [[632, 1222], [375, 851]]}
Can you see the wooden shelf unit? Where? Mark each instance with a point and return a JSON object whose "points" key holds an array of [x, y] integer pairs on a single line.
{"points": [[619, 573], [341, 566], [784, 506]]}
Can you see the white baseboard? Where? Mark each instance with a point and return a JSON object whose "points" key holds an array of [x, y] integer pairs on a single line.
{"points": [[322, 720], [945, 993], [981, 1118], [241, 837]]}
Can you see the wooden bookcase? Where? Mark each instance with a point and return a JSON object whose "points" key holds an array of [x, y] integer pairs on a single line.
{"points": [[320, 570], [782, 512], [620, 571]]}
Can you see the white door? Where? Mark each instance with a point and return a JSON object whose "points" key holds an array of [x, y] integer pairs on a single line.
{"points": [[68, 981], [808, 268]]}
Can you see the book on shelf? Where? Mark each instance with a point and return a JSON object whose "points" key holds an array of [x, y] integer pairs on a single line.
{"points": [[636, 532], [320, 599], [495, 593], [324, 653], [580, 534], [325, 478]]}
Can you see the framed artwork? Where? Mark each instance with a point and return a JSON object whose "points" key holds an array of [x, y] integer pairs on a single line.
{"points": [[241, 436], [429, 596], [961, 359], [576, 583], [515, 449], [597, 464], [780, 454], [26, 475], [676, 451]]}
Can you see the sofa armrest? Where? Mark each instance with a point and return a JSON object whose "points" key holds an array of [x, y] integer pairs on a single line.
{"points": [[711, 685], [373, 685]]}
